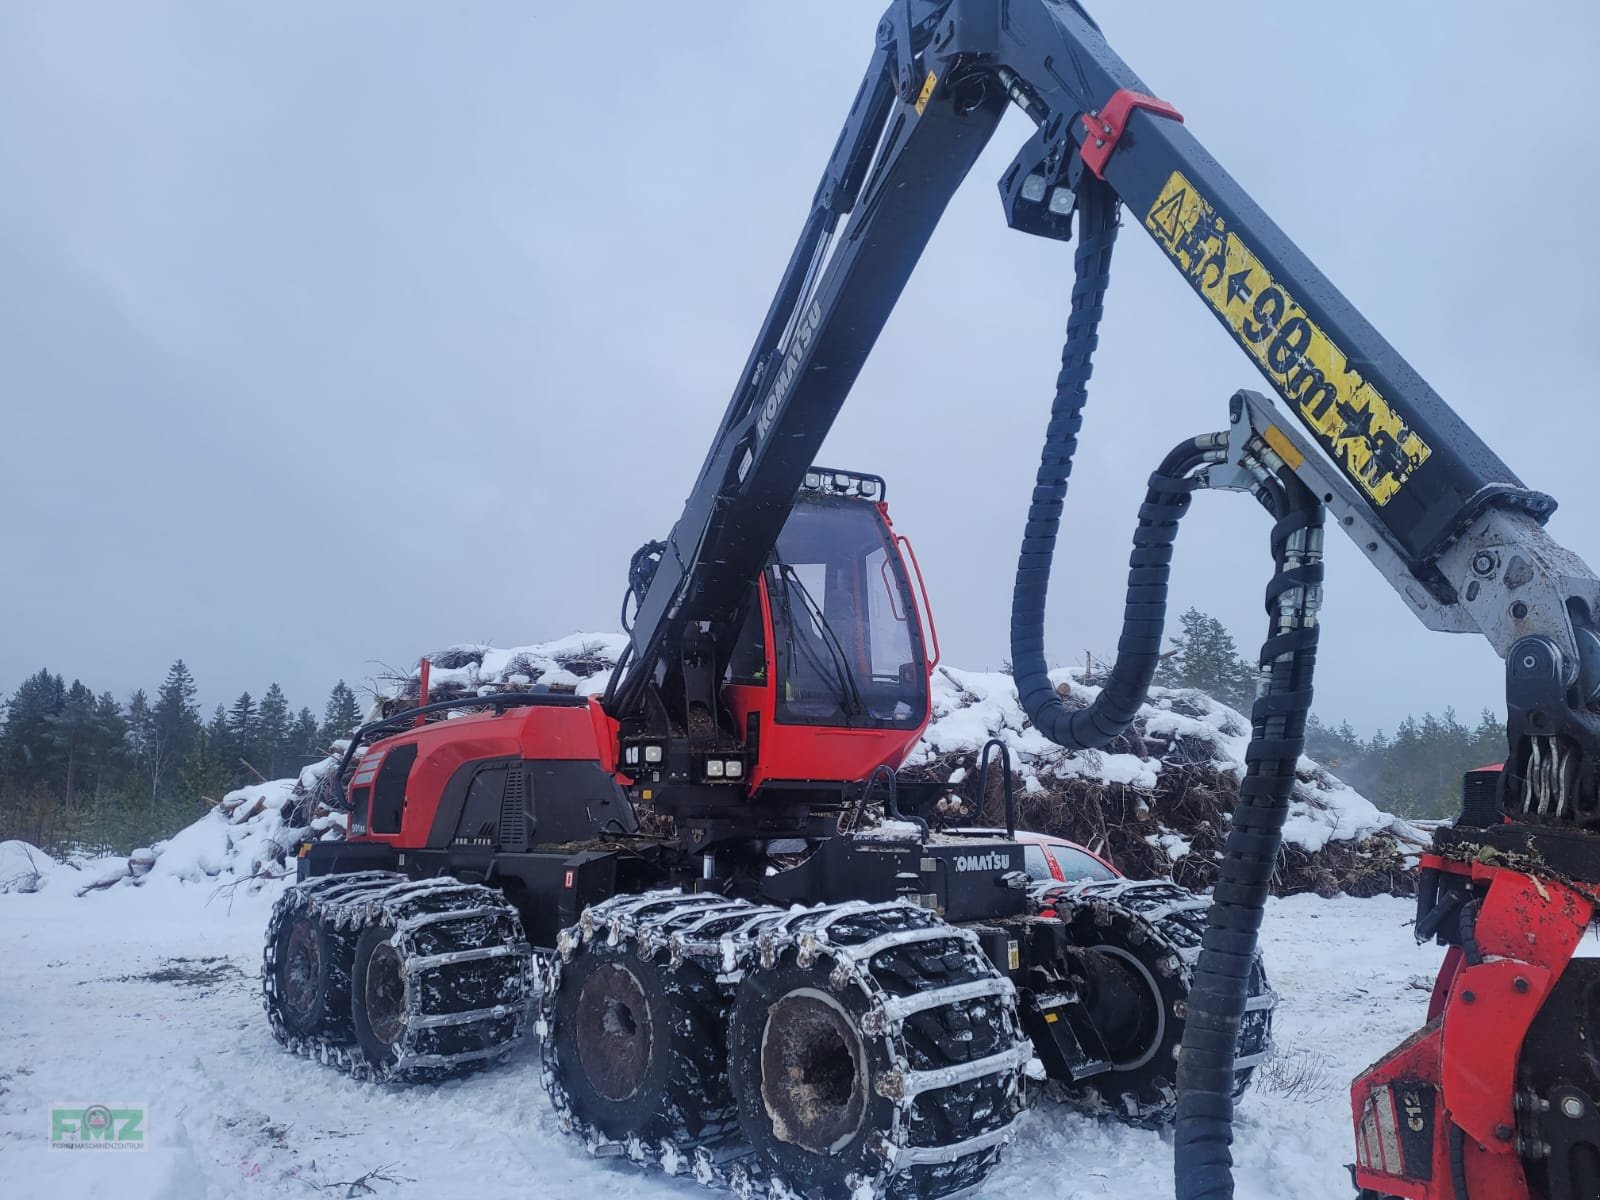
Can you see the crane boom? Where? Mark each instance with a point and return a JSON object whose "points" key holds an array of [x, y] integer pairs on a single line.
{"points": [[941, 75], [1445, 521]]}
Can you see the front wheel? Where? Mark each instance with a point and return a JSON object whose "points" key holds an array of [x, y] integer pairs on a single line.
{"points": [[1138, 943]]}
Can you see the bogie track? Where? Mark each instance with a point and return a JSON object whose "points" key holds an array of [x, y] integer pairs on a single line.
{"points": [[392, 978], [1142, 939], [872, 1048], [848, 1050]]}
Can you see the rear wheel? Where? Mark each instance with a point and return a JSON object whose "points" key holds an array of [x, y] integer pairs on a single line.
{"points": [[635, 1050], [306, 981], [378, 997]]}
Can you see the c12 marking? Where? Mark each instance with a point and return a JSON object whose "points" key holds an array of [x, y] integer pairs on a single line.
{"points": [[1359, 428]]}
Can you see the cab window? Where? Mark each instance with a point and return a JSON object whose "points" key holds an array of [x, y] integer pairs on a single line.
{"points": [[846, 646]]}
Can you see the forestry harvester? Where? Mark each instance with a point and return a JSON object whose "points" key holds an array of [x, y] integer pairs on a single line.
{"points": [[737, 975]]}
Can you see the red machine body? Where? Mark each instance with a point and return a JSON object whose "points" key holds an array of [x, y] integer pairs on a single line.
{"points": [[826, 714], [1442, 1117], [438, 752]]}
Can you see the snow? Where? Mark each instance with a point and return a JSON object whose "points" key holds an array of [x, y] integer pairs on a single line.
{"points": [[150, 995], [135, 981], [23, 867]]}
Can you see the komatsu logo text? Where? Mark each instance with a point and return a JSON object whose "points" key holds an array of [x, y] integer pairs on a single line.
{"points": [[1360, 428], [993, 861], [804, 332]]}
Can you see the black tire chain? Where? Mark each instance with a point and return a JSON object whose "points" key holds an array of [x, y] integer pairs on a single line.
{"points": [[442, 927], [709, 931], [729, 937], [1146, 914]]}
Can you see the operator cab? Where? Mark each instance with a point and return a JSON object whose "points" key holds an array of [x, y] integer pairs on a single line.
{"points": [[831, 668]]}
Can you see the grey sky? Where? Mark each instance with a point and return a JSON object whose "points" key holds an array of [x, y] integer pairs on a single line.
{"points": [[330, 334]]}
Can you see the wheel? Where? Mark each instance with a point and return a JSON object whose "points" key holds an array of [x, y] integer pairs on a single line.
{"points": [[305, 976], [395, 978], [1139, 943], [635, 1047], [830, 1053], [378, 1002], [803, 1072]]}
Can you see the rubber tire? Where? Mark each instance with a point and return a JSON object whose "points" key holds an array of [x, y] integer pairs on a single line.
{"points": [[1146, 1095], [329, 1014], [815, 1176], [1257, 985], [683, 1094], [381, 1056]]}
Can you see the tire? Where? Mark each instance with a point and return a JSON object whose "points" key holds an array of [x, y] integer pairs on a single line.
{"points": [[817, 1070], [378, 1000], [1140, 943], [636, 1049], [306, 978], [803, 1072]]}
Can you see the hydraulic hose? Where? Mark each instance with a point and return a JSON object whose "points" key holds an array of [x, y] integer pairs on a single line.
{"points": [[1149, 565], [1203, 1135], [641, 572]]}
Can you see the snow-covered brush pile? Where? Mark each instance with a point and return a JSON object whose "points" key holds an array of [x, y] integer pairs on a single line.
{"points": [[1157, 800], [580, 663]]}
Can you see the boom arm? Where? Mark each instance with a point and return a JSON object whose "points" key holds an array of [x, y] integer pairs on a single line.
{"points": [[1448, 523]]}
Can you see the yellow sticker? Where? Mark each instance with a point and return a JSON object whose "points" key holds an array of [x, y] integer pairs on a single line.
{"points": [[927, 91], [1283, 447], [1359, 428]]}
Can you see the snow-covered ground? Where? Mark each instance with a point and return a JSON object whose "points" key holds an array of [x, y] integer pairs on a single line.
{"points": [[134, 982], [150, 995]]}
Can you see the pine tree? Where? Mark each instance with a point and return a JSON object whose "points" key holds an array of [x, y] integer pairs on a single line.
{"points": [[272, 733], [242, 731], [25, 738], [205, 775], [1488, 743], [147, 744], [177, 716], [220, 738], [69, 738], [109, 746], [341, 716], [1206, 657], [305, 738]]}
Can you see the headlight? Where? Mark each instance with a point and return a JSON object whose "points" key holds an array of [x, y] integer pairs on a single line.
{"points": [[652, 754], [735, 768], [713, 768]]}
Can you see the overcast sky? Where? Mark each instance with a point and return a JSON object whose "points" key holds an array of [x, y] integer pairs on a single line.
{"points": [[332, 334]]}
